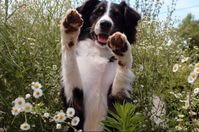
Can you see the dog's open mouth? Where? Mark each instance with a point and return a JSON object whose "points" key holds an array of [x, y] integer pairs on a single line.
{"points": [[102, 38]]}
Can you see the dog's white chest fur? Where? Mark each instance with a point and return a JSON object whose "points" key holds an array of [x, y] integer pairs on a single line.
{"points": [[97, 74]]}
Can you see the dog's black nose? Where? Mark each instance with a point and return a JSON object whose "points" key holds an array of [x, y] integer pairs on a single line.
{"points": [[104, 24]]}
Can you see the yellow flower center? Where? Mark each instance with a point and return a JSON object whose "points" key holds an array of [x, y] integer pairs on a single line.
{"points": [[197, 65], [27, 107], [193, 75], [36, 86], [74, 121], [56, 117], [20, 102], [61, 117], [37, 93]]}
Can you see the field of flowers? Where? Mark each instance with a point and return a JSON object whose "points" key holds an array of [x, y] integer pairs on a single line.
{"points": [[165, 92]]}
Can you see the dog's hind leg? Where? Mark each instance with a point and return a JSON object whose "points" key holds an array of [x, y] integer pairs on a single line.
{"points": [[72, 85], [121, 87]]}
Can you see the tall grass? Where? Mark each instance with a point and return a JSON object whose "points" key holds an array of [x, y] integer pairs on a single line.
{"points": [[29, 51]]}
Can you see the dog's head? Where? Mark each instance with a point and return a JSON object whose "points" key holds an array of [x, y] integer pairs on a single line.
{"points": [[102, 18]]}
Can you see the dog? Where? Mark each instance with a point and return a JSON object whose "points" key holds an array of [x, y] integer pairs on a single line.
{"points": [[96, 59]]}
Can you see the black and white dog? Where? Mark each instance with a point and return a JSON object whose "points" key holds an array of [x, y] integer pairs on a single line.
{"points": [[96, 58]]}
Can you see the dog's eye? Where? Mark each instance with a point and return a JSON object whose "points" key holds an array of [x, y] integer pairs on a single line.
{"points": [[99, 11]]}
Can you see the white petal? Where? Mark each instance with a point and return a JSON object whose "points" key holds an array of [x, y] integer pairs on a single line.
{"points": [[25, 126], [75, 121]]}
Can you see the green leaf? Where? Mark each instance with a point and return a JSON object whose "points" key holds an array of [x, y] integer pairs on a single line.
{"points": [[124, 119]]}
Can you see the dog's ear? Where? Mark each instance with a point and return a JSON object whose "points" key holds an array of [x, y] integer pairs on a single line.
{"points": [[131, 18], [86, 9]]}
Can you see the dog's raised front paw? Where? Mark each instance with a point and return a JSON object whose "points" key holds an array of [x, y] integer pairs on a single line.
{"points": [[72, 22], [118, 43], [121, 48]]}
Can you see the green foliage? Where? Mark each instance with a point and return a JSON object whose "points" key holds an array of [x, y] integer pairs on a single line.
{"points": [[125, 118], [189, 30], [29, 51], [157, 50]]}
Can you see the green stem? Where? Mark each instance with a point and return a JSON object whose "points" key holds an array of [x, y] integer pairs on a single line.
{"points": [[68, 123], [25, 117], [41, 124], [13, 120]]}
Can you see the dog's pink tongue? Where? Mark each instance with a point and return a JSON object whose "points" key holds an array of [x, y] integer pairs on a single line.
{"points": [[102, 38]]}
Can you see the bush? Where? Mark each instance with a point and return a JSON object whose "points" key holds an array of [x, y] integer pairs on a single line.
{"points": [[30, 52], [162, 65]]}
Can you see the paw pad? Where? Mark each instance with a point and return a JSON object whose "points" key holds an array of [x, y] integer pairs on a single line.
{"points": [[74, 18], [117, 43], [73, 21]]}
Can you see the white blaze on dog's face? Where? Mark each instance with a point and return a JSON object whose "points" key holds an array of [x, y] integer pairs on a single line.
{"points": [[103, 26], [102, 19]]}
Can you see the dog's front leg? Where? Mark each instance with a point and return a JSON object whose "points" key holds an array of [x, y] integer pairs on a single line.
{"points": [[70, 29], [121, 87]]}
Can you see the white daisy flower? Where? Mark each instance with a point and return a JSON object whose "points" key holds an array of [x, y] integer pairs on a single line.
{"points": [[28, 107], [58, 126], [141, 68], [60, 117], [178, 128], [196, 91], [46, 115], [70, 112], [135, 101], [25, 126], [37, 93], [178, 95], [197, 65], [36, 85], [27, 96], [75, 121], [196, 70], [184, 59], [175, 68], [179, 120], [171, 92], [192, 77], [195, 47], [15, 110], [192, 113], [19, 102], [56, 118], [181, 116], [186, 105]]}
